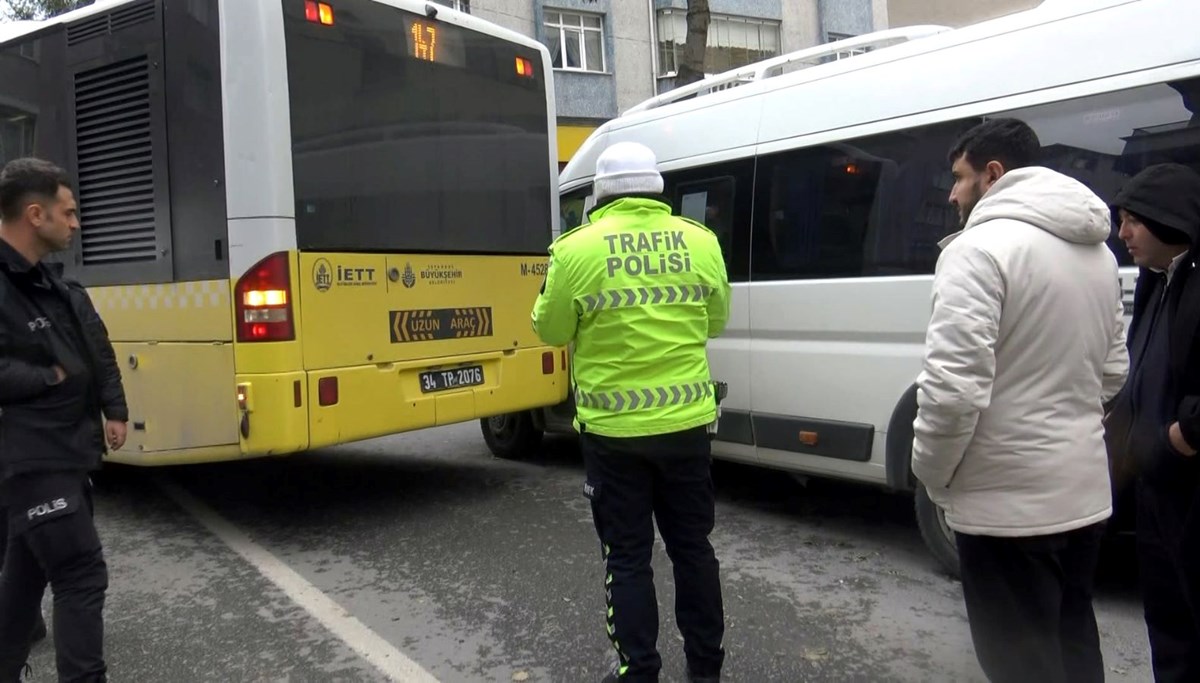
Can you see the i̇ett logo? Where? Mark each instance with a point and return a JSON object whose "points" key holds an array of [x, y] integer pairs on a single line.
{"points": [[322, 275]]}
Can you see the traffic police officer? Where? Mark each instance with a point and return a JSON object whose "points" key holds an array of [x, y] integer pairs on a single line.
{"points": [[639, 292], [58, 374]]}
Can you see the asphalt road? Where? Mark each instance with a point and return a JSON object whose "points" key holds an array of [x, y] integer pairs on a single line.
{"points": [[421, 555]]}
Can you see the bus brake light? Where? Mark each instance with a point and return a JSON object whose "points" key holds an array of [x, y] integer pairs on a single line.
{"points": [[263, 308], [524, 67]]}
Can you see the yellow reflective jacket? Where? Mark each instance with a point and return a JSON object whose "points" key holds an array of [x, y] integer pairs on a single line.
{"points": [[639, 291]]}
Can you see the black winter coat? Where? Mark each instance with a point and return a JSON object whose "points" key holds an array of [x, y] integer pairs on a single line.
{"points": [[34, 434], [1169, 195]]}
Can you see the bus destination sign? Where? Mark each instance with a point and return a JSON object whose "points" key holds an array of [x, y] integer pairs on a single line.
{"points": [[432, 41]]}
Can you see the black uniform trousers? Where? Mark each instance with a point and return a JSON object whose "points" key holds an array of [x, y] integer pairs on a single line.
{"points": [[52, 539], [632, 482], [1169, 602], [40, 624], [1029, 604]]}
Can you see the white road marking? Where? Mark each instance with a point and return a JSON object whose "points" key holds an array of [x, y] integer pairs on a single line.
{"points": [[379, 652]]}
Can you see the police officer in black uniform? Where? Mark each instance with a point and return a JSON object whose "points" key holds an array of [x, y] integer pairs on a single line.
{"points": [[58, 375]]}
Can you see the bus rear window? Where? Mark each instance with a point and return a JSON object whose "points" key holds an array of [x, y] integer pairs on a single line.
{"points": [[411, 134], [16, 133]]}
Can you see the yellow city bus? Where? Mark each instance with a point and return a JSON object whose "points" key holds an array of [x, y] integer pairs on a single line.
{"points": [[304, 223]]}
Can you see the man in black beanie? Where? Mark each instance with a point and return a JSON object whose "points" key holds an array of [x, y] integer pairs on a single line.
{"points": [[1157, 415]]}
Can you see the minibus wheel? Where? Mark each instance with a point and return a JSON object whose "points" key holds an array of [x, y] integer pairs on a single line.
{"points": [[511, 436], [938, 536]]}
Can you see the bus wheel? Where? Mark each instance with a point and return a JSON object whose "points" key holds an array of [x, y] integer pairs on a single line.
{"points": [[511, 436], [938, 536]]}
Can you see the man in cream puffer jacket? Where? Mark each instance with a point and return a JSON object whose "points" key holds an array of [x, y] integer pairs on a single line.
{"points": [[1025, 344]]}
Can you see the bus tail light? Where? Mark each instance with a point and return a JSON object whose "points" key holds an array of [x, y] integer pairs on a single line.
{"points": [[318, 12], [524, 67], [262, 301], [547, 362]]}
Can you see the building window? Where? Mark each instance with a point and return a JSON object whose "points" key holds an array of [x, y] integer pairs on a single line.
{"points": [[834, 37], [460, 5], [732, 41], [576, 41]]}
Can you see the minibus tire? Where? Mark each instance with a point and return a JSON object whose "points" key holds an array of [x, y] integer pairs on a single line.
{"points": [[938, 537], [511, 436]]}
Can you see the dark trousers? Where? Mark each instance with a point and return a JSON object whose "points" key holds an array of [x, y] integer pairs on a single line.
{"points": [[631, 482], [1029, 603], [40, 625], [1169, 606], [52, 540]]}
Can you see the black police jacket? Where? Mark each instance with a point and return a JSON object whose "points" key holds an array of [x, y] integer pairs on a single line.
{"points": [[45, 425]]}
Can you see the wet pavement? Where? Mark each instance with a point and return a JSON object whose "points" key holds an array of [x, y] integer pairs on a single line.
{"points": [[423, 547]]}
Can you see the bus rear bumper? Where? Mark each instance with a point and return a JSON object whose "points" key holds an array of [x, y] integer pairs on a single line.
{"points": [[290, 412], [387, 398]]}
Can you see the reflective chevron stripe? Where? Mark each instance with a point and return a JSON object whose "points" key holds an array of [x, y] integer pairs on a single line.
{"points": [[640, 296], [633, 399]]}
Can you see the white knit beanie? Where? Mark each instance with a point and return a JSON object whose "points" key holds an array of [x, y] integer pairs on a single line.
{"points": [[626, 168]]}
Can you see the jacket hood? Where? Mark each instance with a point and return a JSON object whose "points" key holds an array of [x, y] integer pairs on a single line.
{"points": [[1056, 203], [1168, 194]]}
